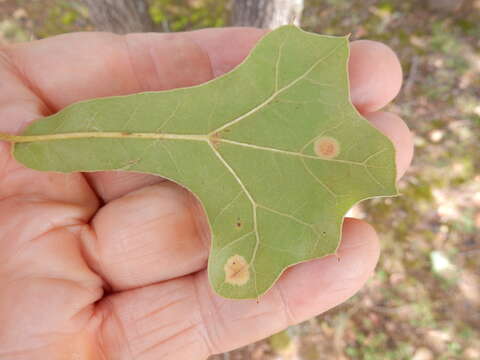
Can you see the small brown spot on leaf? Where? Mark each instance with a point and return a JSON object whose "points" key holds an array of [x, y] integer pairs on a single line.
{"points": [[326, 147], [236, 270], [215, 140], [238, 224]]}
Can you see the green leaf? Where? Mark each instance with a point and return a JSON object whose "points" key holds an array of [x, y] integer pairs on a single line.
{"points": [[274, 150]]}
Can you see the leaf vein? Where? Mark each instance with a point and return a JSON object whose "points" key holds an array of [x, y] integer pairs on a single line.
{"points": [[276, 93]]}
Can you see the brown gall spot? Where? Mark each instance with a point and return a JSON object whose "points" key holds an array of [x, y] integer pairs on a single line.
{"points": [[236, 270], [326, 147], [238, 224]]}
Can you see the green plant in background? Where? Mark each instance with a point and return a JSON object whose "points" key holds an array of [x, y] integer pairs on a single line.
{"points": [[282, 343], [172, 15], [12, 31], [63, 16], [366, 348]]}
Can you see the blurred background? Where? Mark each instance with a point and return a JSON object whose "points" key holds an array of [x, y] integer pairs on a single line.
{"points": [[424, 301]]}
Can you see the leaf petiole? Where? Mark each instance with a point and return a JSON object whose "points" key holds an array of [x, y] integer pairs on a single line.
{"points": [[104, 135]]}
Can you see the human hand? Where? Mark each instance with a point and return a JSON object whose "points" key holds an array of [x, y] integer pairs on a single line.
{"points": [[111, 265]]}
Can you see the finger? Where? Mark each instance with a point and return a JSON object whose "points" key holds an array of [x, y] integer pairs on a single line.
{"points": [[117, 65], [375, 75], [111, 185], [397, 131], [183, 319], [153, 234]]}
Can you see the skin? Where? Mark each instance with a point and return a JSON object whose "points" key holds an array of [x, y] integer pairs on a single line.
{"points": [[111, 265]]}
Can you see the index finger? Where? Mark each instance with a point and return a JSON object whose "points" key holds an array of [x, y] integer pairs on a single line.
{"points": [[74, 67]]}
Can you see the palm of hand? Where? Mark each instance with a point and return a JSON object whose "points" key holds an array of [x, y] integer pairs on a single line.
{"points": [[112, 265]]}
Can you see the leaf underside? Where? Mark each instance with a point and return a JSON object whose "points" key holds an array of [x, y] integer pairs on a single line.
{"points": [[274, 150]]}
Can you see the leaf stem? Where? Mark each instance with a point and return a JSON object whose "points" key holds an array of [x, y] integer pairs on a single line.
{"points": [[7, 137], [104, 135]]}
